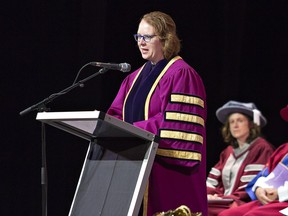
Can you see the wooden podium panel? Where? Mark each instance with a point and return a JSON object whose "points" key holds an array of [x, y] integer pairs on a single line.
{"points": [[117, 164]]}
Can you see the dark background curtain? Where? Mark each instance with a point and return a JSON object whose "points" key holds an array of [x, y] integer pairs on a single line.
{"points": [[238, 47]]}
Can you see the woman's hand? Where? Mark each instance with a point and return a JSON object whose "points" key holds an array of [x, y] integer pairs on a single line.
{"points": [[266, 195], [213, 197], [272, 193]]}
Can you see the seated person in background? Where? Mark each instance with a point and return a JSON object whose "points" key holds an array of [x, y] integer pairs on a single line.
{"points": [[240, 162], [269, 189]]}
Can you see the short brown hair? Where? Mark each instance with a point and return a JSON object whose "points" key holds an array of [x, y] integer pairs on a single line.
{"points": [[165, 28]]}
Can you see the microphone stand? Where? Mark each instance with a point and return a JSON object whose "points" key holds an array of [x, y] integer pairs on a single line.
{"points": [[41, 107]]}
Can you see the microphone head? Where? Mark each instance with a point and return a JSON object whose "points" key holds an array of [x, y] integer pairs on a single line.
{"points": [[125, 67]]}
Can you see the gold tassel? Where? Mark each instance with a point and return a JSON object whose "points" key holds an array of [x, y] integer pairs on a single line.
{"points": [[183, 210]]}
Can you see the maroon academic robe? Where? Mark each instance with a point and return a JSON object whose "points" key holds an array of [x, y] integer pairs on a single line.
{"points": [[175, 110], [255, 208], [251, 161]]}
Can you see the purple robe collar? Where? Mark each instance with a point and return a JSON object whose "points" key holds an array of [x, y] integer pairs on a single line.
{"points": [[135, 103]]}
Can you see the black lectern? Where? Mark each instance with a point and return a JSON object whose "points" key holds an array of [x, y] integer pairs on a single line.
{"points": [[117, 164]]}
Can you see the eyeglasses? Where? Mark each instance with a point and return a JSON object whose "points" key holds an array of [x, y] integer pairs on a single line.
{"points": [[146, 38]]}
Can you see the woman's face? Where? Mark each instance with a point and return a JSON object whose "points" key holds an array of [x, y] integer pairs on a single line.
{"points": [[239, 126], [151, 50]]}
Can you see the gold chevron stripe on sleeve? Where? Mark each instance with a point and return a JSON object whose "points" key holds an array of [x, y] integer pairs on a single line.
{"points": [[180, 135], [179, 154], [185, 117], [187, 99]]}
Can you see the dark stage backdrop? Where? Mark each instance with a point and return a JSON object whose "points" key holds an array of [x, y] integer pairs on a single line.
{"points": [[239, 48]]}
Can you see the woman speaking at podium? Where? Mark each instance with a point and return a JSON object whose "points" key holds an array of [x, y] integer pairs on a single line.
{"points": [[167, 97]]}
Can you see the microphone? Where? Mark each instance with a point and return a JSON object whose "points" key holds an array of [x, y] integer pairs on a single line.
{"points": [[124, 67]]}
